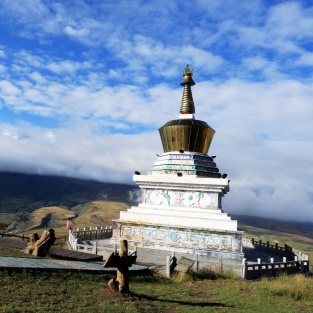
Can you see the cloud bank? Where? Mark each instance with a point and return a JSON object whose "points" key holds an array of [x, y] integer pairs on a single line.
{"points": [[85, 86]]}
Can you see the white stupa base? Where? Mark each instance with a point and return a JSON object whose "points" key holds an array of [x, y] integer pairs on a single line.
{"points": [[202, 241]]}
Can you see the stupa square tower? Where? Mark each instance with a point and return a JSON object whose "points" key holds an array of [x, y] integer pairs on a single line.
{"points": [[181, 208]]}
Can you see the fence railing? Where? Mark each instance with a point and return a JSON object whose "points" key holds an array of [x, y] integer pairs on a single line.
{"points": [[285, 251], [252, 271], [89, 233], [294, 261], [58, 241], [75, 239]]}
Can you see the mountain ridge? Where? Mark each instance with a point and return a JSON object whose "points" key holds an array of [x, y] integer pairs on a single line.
{"points": [[28, 192]]}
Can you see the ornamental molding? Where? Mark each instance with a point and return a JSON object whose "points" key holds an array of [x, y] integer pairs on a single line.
{"points": [[183, 186]]}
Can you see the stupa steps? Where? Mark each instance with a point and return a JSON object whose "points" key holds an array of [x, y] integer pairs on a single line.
{"points": [[185, 221], [178, 214]]}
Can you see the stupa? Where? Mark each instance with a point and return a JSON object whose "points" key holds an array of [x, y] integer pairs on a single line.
{"points": [[181, 206]]}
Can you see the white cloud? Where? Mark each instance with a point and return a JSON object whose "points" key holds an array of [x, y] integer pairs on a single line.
{"points": [[8, 89], [86, 99], [2, 54], [83, 32]]}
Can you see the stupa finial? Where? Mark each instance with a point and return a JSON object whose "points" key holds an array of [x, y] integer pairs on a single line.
{"points": [[187, 105]]}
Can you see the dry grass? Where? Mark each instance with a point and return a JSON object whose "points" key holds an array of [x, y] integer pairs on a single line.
{"points": [[7, 218], [99, 213], [297, 287], [93, 214], [57, 214]]}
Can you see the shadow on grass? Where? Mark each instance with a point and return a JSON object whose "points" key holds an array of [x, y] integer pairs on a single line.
{"points": [[194, 304]]}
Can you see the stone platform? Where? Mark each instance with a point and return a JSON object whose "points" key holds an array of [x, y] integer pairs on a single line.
{"points": [[205, 242]]}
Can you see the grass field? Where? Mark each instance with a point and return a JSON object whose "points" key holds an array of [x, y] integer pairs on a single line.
{"points": [[97, 213], [65, 291]]}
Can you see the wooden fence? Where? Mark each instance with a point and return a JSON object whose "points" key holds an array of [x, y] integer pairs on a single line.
{"points": [[285, 251]]}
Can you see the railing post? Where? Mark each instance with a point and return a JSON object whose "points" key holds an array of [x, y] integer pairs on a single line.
{"points": [[244, 268], [285, 264], [196, 264], [259, 267], [267, 246], [252, 240], [260, 244], [96, 248], [276, 248], [168, 266], [286, 250], [273, 267]]}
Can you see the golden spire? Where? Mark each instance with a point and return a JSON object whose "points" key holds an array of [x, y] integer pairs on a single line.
{"points": [[186, 133], [187, 105]]}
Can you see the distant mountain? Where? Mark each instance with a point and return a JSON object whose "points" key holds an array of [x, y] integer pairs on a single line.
{"points": [[24, 192], [275, 226]]}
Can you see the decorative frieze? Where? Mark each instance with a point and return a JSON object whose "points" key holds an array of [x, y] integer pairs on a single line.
{"points": [[180, 198], [178, 237]]}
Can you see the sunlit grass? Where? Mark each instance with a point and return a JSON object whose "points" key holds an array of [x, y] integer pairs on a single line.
{"points": [[65, 291], [297, 287]]}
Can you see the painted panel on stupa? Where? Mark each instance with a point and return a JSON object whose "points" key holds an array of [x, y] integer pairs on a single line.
{"points": [[222, 242], [179, 198]]}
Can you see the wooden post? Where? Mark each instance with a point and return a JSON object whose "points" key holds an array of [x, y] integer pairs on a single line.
{"points": [[260, 244], [122, 271], [122, 261]]}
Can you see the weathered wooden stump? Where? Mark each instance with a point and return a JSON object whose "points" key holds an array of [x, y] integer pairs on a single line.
{"points": [[122, 261], [40, 246]]}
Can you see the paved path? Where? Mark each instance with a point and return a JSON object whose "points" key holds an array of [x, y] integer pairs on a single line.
{"points": [[11, 262], [146, 258]]}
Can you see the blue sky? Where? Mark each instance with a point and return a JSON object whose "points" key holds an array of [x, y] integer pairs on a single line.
{"points": [[85, 85]]}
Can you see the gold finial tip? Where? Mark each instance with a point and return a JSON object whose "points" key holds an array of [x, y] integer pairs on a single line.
{"points": [[187, 70]]}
